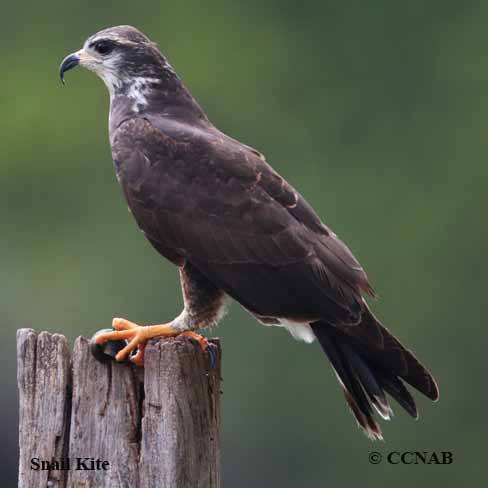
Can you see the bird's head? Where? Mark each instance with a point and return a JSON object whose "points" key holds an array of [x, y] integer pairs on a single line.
{"points": [[119, 56], [137, 75]]}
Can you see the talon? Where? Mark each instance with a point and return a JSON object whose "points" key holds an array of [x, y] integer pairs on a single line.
{"points": [[106, 351], [212, 355], [138, 357], [128, 336], [204, 344], [137, 336], [114, 335]]}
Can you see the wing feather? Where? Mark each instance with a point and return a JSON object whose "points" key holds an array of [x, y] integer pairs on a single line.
{"points": [[204, 197]]}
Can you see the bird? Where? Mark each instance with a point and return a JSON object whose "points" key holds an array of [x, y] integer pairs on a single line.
{"points": [[237, 230]]}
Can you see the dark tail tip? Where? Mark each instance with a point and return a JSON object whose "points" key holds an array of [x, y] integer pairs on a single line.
{"points": [[365, 380]]}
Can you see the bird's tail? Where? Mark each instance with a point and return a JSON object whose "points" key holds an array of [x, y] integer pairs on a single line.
{"points": [[369, 361]]}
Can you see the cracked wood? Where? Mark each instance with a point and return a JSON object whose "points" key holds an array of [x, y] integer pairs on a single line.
{"points": [[157, 427]]}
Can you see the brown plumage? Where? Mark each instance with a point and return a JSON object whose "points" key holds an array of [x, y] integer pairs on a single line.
{"points": [[215, 208]]}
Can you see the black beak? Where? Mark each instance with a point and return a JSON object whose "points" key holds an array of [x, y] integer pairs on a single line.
{"points": [[68, 63]]}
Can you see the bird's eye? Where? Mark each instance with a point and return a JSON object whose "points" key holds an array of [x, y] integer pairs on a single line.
{"points": [[102, 47]]}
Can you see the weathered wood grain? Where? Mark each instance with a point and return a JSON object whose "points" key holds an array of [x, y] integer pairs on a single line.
{"points": [[44, 379], [105, 419], [180, 428], [156, 427]]}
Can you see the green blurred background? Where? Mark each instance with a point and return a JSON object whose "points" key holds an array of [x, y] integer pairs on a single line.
{"points": [[376, 111]]}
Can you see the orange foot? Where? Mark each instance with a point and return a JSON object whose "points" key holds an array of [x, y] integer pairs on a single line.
{"points": [[139, 335], [204, 344]]}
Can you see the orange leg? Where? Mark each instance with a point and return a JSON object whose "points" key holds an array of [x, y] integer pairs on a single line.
{"points": [[139, 335]]}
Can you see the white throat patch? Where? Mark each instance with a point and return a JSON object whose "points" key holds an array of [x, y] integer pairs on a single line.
{"points": [[138, 90], [111, 81]]}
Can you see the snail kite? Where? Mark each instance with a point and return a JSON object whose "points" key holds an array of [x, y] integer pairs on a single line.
{"points": [[235, 228]]}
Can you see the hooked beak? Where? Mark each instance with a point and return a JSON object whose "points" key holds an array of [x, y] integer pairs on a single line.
{"points": [[68, 63], [73, 60]]}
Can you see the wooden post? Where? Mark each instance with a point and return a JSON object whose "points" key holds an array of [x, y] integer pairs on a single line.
{"points": [[132, 428]]}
